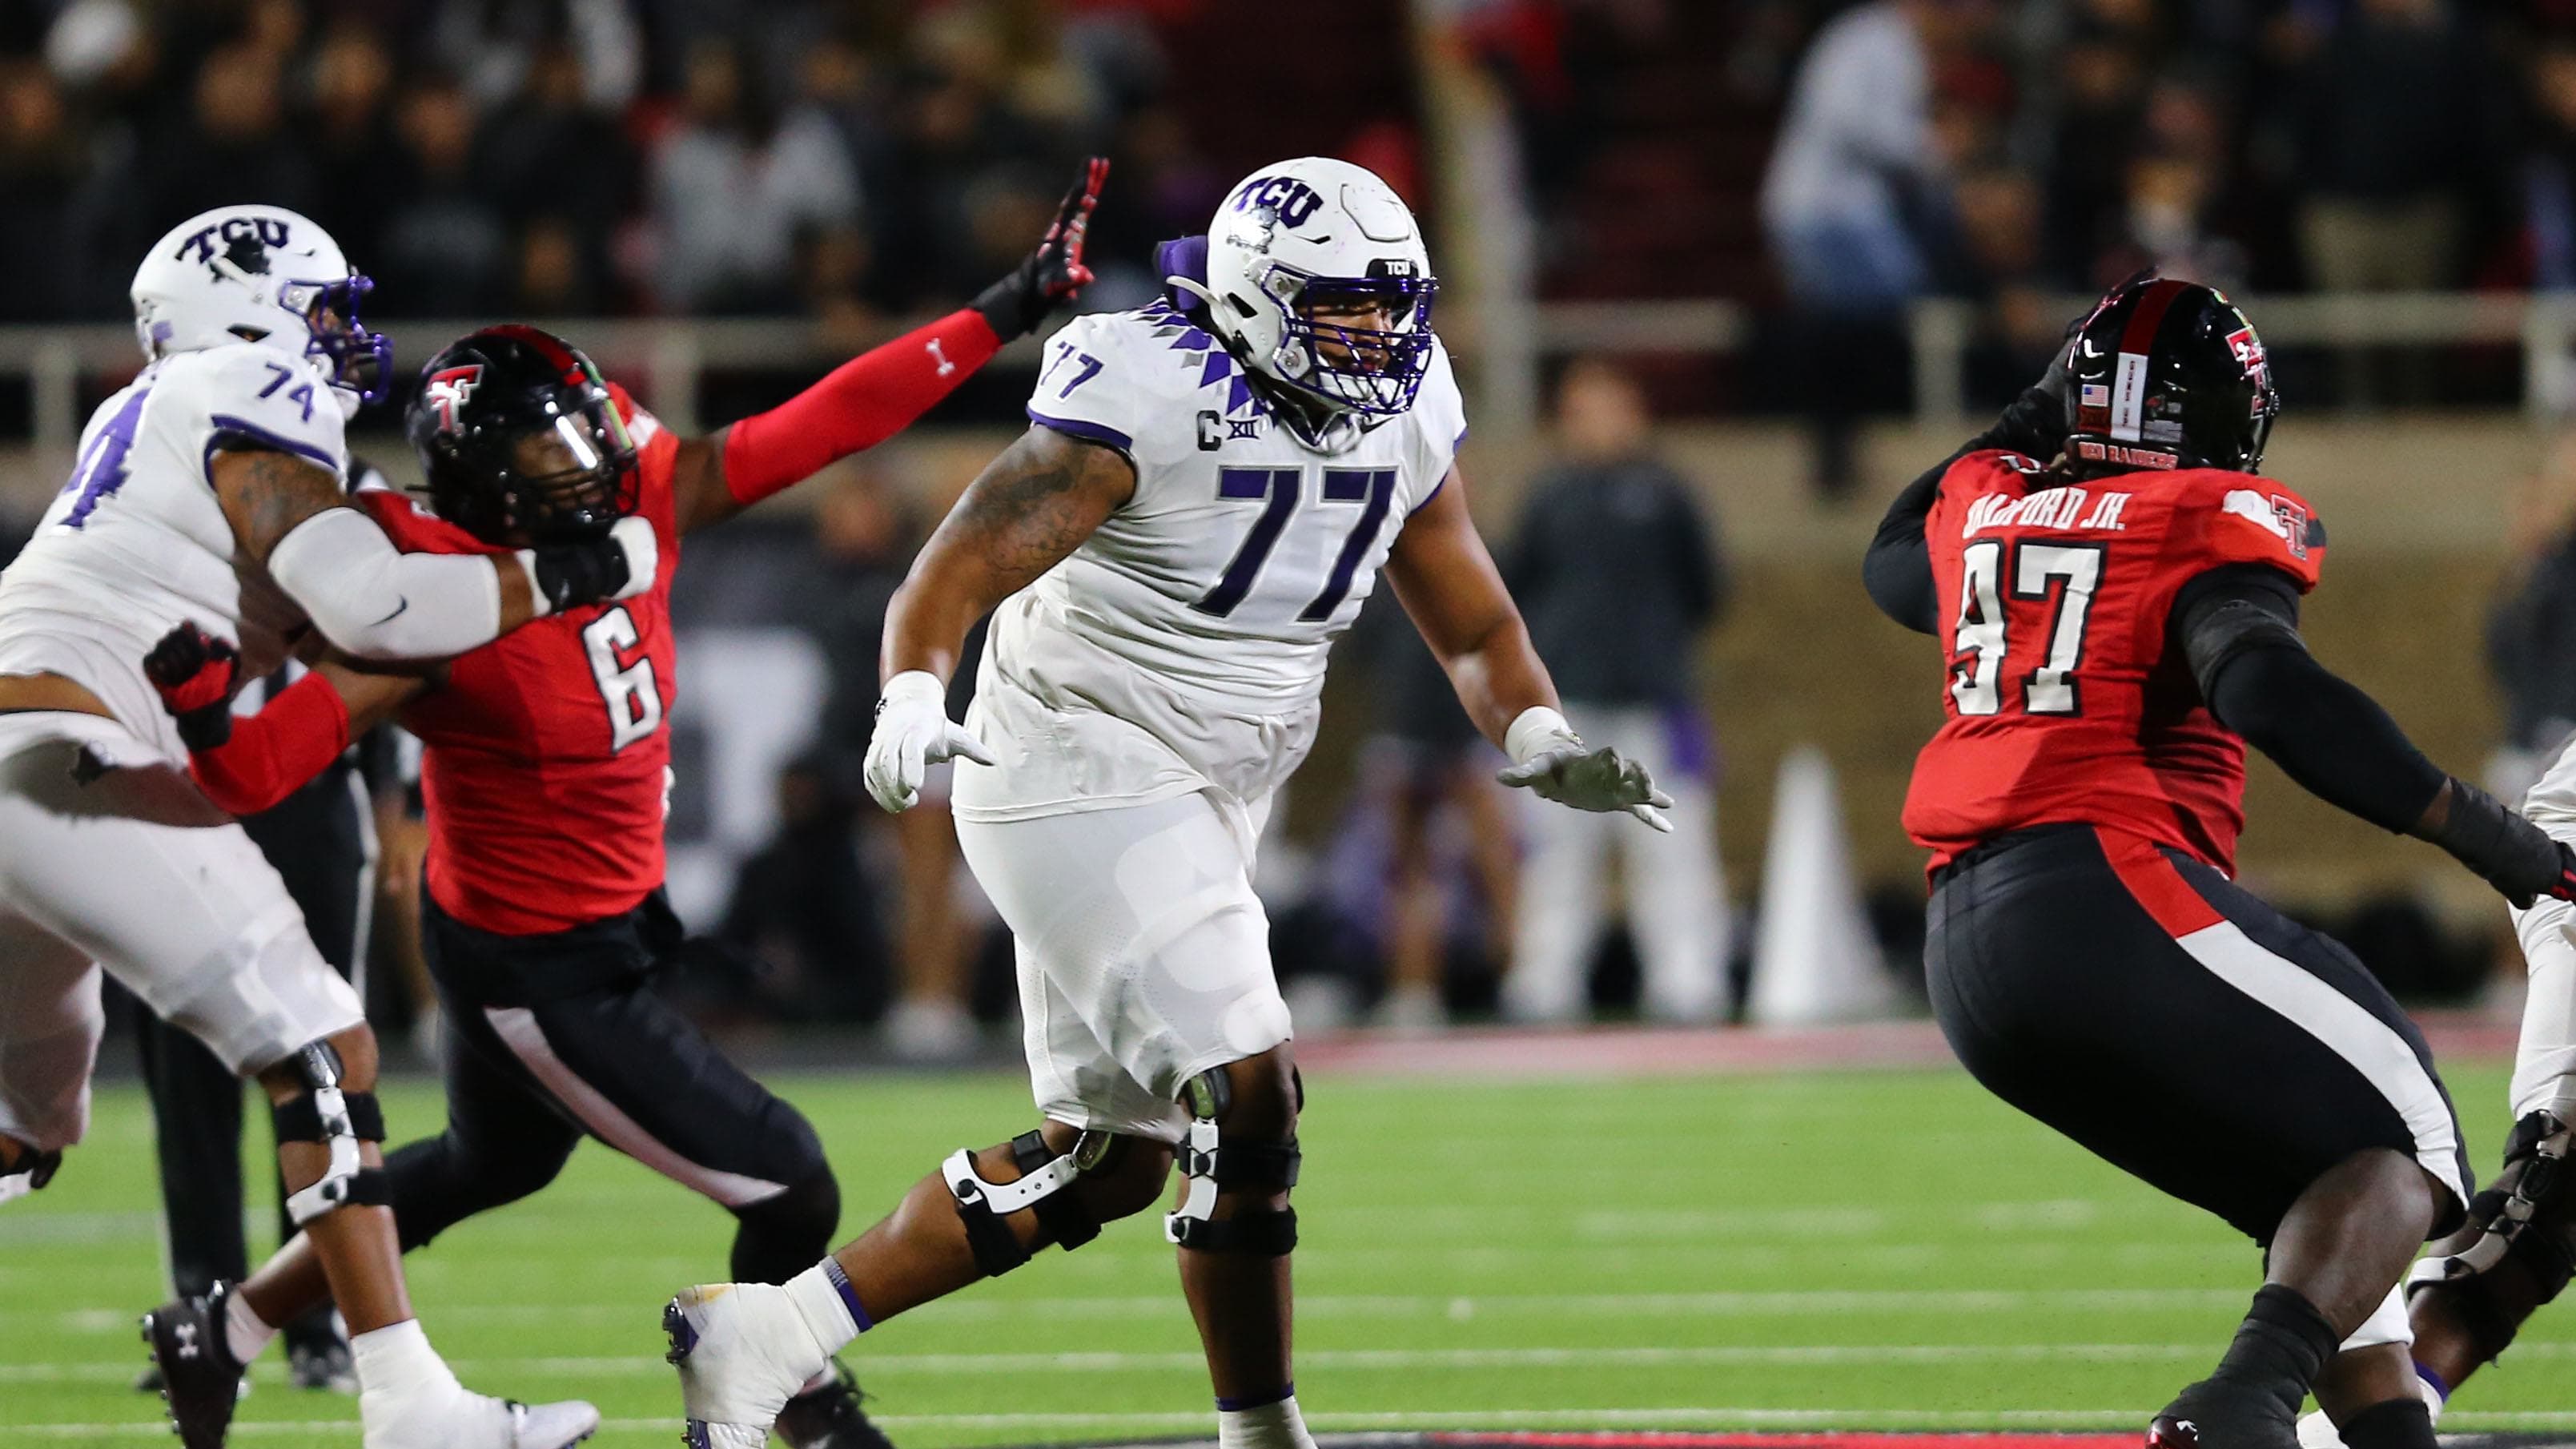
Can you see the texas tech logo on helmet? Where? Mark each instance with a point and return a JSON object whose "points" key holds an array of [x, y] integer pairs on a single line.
{"points": [[447, 389], [2250, 355]]}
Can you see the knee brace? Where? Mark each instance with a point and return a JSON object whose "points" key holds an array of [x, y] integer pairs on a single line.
{"points": [[2523, 1219], [1213, 1165], [339, 1121], [1045, 1176]]}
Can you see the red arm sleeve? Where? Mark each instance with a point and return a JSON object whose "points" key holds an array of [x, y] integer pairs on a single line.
{"points": [[862, 403], [272, 752]]}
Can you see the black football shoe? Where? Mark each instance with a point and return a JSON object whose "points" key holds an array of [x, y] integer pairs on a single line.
{"points": [[828, 1418], [200, 1381], [2216, 1414]]}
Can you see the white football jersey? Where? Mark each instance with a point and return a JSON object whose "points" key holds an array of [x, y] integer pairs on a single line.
{"points": [[1182, 646], [136, 542]]}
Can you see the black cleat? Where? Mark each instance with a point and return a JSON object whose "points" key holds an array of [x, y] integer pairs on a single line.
{"points": [[830, 1418], [2217, 1414], [2168, 1432], [322, 1366], [199, 1379]]}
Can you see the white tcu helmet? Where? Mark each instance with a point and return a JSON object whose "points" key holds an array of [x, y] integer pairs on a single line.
{"points": [[260, 274], [1297, 233]]}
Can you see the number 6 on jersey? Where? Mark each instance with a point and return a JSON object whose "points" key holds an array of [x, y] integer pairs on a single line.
{"points": [[633, 696]]}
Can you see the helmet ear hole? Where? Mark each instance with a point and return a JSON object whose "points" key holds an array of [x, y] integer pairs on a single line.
{"points": [[1241, 307]]}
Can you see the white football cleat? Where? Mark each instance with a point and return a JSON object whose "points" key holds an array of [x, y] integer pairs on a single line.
{"points": [[743, 1350], [474, 1421]]}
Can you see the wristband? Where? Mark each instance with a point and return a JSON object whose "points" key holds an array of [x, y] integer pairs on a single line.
{"points": [[1535, 730], [914, 684]]}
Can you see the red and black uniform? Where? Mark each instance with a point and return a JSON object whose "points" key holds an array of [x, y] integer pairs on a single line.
{"points": [[546, 763], [2064, 701], [2088, 955]]}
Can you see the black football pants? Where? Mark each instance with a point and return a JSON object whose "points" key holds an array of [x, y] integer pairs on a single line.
{"points": [[2144, 1005], [555, 1037]]}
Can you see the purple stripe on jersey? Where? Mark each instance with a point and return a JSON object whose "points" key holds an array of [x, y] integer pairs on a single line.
{"points": [[1088, 432], [103, 472], [266, 439]]}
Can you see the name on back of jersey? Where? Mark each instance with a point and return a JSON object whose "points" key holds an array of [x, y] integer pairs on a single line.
{"points": [[2054, 508]]}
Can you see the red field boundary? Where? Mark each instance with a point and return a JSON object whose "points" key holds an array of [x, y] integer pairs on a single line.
{"points": [[1498, 1052], [1699, 1440]]}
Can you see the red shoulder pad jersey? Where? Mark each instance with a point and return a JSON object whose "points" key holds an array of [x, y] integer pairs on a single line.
{"points": [[545, 762], [2063, 702]]}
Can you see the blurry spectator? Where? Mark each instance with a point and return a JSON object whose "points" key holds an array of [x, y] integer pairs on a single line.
{"points": [[353, 139], [2549, 177], [2531, 630], [733, 188], [801, 905], [240, 145], [562, 166], [2393, 111], [2167, 226], [867, 542], [40, 173], [445, 249], [1999, 267], [1852, 174], [1615, 569], [1435, 774], [2101, 91], [493, 45]]}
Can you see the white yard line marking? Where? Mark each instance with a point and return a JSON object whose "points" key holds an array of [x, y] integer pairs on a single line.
{"points": [[1823, 1302], [1498, 1419]]}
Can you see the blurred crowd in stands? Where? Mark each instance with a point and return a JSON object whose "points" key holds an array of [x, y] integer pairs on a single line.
{"points": [[555, 157]]}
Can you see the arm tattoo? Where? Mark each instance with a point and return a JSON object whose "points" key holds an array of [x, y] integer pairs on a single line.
{"points": [[266, 494], [1036, 504]]}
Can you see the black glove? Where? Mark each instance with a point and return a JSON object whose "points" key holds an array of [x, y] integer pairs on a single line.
{"points": [[1054, 273], [2515, 856], [2035, 423], [195, 673], [569, 574]]}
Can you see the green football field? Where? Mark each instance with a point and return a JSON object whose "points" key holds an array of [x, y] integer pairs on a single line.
{"points": [[1886, 1249]]}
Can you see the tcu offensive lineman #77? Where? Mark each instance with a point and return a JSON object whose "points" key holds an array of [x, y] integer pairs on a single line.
{"points": [[1207, 492], [211, 488]]}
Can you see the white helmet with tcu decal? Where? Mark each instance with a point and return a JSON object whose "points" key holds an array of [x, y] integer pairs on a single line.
{"points": [[1319, 235], [260, 274]]}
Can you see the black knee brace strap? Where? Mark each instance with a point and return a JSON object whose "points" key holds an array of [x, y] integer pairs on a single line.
{"points": [[1040, 1188], [339, 1121], [2523, 1219], [1213, 1165]]}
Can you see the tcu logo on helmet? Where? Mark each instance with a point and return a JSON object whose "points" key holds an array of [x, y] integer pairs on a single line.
{"points": [[447, 390], [266, 231], [1290, 199]]}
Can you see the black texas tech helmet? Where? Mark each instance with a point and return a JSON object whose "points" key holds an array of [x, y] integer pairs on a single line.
{"points": [[2167, 374], [488, 409]]}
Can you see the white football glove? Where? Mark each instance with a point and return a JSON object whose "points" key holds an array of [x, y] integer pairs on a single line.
{"points": [[914, 733], [1549, 758]]}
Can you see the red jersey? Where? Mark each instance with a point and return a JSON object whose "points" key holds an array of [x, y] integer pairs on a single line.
{"points": [[546, 761], [2064, 702]]}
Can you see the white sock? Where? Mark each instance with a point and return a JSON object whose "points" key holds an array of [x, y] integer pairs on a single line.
{"points": [[244, 1333], [822, 1294], [1266, 1426], [397, 1360]]}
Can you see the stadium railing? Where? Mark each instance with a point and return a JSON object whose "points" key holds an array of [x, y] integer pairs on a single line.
{"points": [[675, 354]]}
